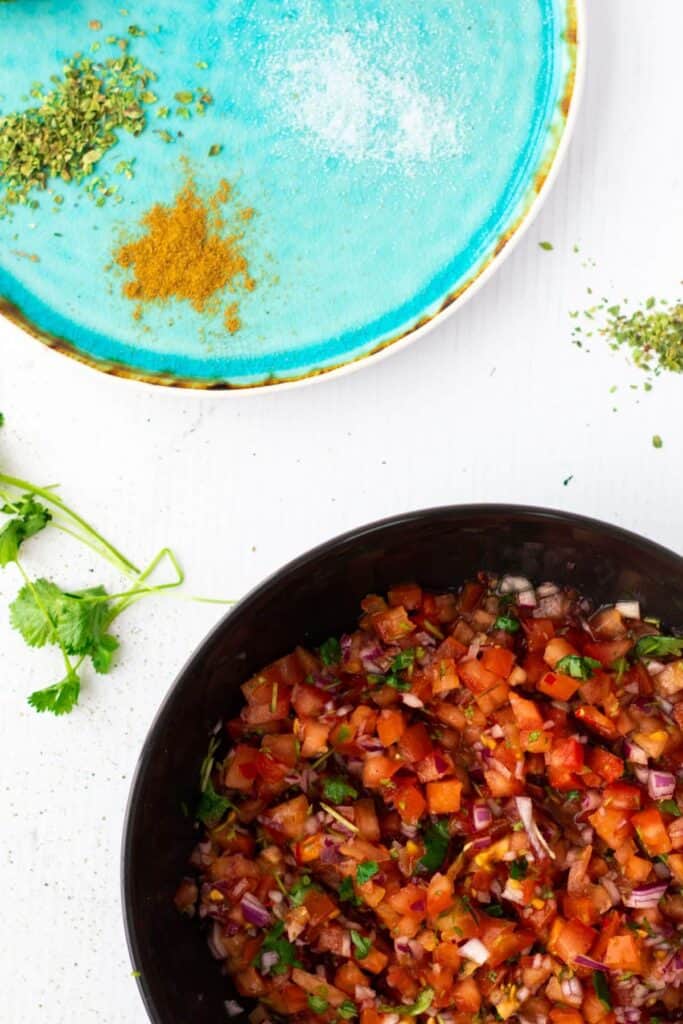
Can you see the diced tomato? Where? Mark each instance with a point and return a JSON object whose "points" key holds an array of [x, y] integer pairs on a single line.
{"points": [[556, 649], [466, 996], [308, 700], [269, 769], [287, 999], [558, 686], [624, 953], [365, 820], [415, 744], [569, 939], [470, 596], [609, 651], [283, 747], [348, 976], [605, 764], [498, 660], [502, 785], [565, 1015], [377, 768], [527, 715], [476, 677], [595, 720], [392, 624], [612, 824], [314, 735], [407, 594], [651, 831], [439, 895], [309, 849], [538, 633], [410, 804], [623, 795], [444, 676], [565, 760], [391, 725], [494, 698], [444, 797], [288, 819], [241, 768]]}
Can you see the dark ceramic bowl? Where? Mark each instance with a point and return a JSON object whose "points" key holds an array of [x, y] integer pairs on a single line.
{"points": [[307, 601]]}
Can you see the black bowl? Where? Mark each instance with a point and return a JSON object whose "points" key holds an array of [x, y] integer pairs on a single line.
{"points": [[311, 598]]}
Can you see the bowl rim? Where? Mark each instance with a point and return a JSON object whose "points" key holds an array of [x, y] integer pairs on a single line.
{"points": [[576, 11], [485, 510]]}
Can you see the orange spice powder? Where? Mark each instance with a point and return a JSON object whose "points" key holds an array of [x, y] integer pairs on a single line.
{"points": [[186, 254]]}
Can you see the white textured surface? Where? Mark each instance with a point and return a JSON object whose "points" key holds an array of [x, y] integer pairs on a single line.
{"points": [[495, 405]]}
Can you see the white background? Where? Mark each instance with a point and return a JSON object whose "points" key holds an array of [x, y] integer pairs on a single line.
{"points": [[495, 404]]}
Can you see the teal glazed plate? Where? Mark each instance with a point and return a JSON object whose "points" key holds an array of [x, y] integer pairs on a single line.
{"points": [[386, 153]]}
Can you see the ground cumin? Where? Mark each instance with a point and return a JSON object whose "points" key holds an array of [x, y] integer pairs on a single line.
{"points": [[186, 254]]}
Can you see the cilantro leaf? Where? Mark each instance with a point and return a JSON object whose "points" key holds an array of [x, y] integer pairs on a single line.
{"points": [[361, 945], [404, 660], [102, 653], [437, 840], [331, 652], [212, 807], [60, 699], [300, 890], [27, 615], [422, 1003], [519, 868], [506, 623], [77, 622], [602, 989], [670, 807], [577, 667], [396, 683], [366, 870], [658, 646], [337, 790], [347, 892], [347, 1010], [29, 518], [317, 1003], [285, 950]]}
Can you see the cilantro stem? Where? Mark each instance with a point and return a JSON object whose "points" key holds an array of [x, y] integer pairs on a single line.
{"points": [[48, 495]]}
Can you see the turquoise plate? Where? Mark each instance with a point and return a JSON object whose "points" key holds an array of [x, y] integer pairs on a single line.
{"points": [[389, 149]]}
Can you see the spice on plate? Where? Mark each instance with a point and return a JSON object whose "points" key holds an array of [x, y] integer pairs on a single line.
{"points": [[66, 135], [657, 441], [186, 253]]}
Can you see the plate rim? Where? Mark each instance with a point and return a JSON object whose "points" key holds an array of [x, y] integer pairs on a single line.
{"points": [[506, 244]]}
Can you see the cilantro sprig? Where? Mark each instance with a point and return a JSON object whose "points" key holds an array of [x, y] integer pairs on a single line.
{"points": [[658, 646], [436, 840], [577, 667], [77, 622]]}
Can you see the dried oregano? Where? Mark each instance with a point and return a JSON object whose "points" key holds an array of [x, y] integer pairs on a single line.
{"points": [[71, 129]]}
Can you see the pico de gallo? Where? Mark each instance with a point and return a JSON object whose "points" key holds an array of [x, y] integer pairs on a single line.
{"points": [[470, 807]]}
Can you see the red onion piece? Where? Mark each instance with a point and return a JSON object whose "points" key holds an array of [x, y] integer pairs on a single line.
{"points": [[233, 1008], [661, 785], [482, 818], [254, 912], [593, 965], [634, 753], [646, 895]]}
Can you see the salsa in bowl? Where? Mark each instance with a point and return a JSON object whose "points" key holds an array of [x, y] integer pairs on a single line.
{"points": [[410, 815]]}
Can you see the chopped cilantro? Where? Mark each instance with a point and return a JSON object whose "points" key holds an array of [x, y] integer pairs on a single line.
{"points": [[534, 735], [422, 1003], [396, 683], [495, 910], [547, 246], [436, 842], [670, 807], [300, 890], [507, 623], [404, 660], [286, 950], [337, 790], [602, 989], [347, 1010], [576, 666], [318, 1004], [519, 868], [212, 807], [347, 892], [658, 646], [343, 734], [331, 652], [361, 945], [366, 870]]}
